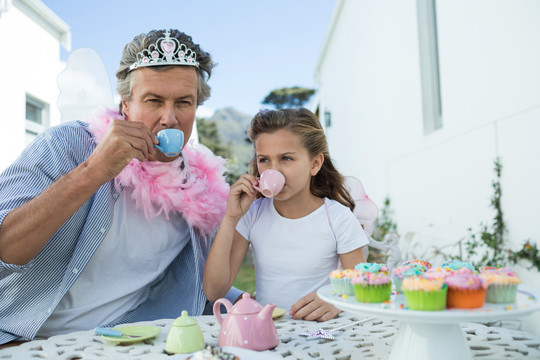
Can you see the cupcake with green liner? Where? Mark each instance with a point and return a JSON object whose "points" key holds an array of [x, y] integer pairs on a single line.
{"points": [[502, 284], [456, 265], [425, 294], [340, 281], [371, 287], [372, 267], [406, 271]]}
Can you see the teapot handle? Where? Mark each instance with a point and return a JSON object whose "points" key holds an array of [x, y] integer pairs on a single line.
{"points": [[217, 310]]}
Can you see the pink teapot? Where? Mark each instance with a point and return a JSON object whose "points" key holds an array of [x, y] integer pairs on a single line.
{"points": [[247, 325]]}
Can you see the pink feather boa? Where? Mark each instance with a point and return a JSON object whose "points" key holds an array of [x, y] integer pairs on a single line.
{"points": [[161, 188]]}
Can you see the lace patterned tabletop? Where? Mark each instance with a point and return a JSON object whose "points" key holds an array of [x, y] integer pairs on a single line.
{"points": [[369, 340]]}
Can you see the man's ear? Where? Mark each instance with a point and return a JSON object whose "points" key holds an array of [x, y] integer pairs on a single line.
{"points": [[316, 163], [125, 108]]}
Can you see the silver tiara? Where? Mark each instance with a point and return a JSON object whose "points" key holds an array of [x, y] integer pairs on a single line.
{"points": [[166, 51]]}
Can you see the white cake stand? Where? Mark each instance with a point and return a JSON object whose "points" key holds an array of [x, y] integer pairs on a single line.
{"points": [[434, 334]]}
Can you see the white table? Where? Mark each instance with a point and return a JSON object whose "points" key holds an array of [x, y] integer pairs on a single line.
{"points": [[369, 340], [434, 334]]}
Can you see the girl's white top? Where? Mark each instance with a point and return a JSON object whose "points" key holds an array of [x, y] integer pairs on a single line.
{"points": [[294, 257]]}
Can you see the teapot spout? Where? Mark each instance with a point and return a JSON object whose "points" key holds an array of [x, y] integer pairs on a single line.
{"points": [[266, 312]]}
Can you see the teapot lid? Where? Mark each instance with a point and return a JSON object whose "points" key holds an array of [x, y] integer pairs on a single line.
{"points": [[184, 320], [246, 305]]}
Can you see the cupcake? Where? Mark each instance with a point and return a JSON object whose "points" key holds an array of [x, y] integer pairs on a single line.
{"points": [[465, 290], [456, 265], [425, 264], [371, 287], [372, 267], [425, 294], [406, 271], [340, 280], [502, 284], [439, 273]]}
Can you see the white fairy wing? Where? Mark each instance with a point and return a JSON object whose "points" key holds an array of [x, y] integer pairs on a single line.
{"points": [[84, 85]]}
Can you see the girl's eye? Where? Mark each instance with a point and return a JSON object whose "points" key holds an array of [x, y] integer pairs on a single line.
{"points": [[287, 158], [262, 160]]}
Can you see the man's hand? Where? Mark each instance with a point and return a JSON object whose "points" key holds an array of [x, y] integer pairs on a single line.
{"points": [[124, 140], [312, 308]]}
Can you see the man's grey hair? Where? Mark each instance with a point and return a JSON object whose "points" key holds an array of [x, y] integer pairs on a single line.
{"points": [[125, 78]]}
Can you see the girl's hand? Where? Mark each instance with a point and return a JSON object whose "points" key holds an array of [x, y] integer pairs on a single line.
{"points": [[312, 308], [241, 196]]}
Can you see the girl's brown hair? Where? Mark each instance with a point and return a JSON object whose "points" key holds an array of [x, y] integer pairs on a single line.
{"points": [[328, 182]]}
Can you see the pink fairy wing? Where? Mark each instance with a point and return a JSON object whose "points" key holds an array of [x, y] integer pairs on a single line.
{"points": [[365, 210]]}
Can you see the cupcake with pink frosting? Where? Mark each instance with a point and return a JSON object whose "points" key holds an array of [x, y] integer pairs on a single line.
{"points": [[416, 262], [374, 287], [465, 290], [502, 284], [439, 273]]}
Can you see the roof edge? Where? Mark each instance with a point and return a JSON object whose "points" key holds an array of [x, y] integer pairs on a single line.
{"points": [[329, 34], [50, 19]]}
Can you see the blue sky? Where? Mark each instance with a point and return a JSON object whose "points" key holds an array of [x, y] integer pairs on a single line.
{"points": [[259, 45]]}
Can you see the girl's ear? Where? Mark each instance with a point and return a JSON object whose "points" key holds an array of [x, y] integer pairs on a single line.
{"points": [[316, 163]]}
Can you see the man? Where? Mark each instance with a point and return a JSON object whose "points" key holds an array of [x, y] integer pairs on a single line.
{"points": [[97, 226]]}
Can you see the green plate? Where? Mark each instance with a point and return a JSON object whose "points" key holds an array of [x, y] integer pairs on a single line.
{"points": [[142, 333]]}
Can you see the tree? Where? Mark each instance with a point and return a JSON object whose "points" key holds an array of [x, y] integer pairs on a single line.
{"points": [[209, 136], [288, 97]]}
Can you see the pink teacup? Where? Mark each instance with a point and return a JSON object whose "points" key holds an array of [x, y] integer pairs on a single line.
{"points": [[270, 183]]}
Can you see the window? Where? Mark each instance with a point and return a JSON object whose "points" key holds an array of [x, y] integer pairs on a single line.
{"points": [[327, 118], [37, 117], [429, 65]]}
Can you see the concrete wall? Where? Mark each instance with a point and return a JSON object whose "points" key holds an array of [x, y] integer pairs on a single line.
{"points": [[440, 183]]}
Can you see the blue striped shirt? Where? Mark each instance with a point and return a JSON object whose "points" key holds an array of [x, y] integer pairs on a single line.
{"points": [[29, 293]]}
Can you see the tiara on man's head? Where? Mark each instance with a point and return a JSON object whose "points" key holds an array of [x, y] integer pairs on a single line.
{"points": [[166, 51]]}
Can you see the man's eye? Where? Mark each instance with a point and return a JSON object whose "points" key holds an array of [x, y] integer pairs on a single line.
{"points": [[287, 158]]}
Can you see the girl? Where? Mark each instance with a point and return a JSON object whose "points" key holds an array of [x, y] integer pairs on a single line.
{"points": [[298, 236]]}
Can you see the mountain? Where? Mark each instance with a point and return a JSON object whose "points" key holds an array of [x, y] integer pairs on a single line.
{"points": [[232, 125]]}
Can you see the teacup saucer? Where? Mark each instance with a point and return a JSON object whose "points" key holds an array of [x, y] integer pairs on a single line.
{"points": [[278, 312], [141, 333]]}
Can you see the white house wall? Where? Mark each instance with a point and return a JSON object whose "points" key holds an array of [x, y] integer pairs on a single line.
{"points": [[439, 184], [32, 69]]}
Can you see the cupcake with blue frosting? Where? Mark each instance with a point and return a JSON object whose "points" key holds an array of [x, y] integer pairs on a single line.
{"points": [[372, 268]]}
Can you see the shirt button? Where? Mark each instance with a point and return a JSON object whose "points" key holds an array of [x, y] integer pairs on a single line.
{"points": [[75, 271], [102, 230], [116, 195], [49, 310]]}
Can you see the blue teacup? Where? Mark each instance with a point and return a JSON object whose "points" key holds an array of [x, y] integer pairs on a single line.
{"points": [[171, 141]]}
